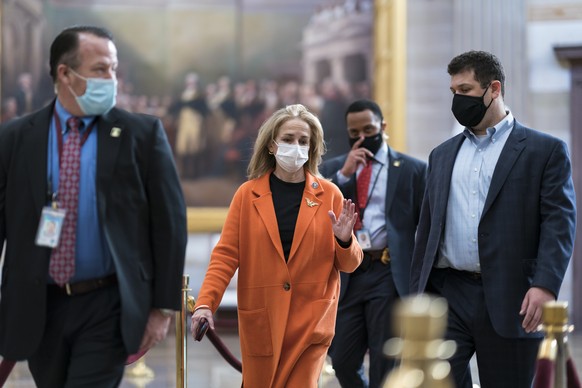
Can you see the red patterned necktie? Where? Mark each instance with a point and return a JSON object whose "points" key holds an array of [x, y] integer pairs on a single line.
{"points": [[362, 187], [62, 264]]}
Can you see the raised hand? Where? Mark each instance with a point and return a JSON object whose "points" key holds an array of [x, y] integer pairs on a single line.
{"points": [[343, 225], [358, 155]]}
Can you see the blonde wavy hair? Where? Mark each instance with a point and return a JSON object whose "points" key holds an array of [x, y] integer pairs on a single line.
{"points": [[262, 162]]}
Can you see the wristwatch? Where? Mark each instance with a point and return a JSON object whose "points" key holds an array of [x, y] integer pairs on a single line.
{"points": [[167, 312]]}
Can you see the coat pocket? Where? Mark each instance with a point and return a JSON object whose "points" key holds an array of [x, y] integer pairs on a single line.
{"points": [[255, 332], [323, 313]]}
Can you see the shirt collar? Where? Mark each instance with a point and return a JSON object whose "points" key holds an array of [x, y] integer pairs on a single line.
{"points": [[381, 155], [64, 115], [493, 133]]}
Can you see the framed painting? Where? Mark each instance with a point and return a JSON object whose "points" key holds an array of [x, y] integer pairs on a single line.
{"points": [[213, 70]]}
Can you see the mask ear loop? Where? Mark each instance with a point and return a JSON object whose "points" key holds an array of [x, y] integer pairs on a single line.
{"points": [[72, 92], [274, 142], [483, 96], [78, 76]]}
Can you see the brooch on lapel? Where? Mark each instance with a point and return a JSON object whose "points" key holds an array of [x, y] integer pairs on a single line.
{"points": [[396, 163], [310, 203], [115, 132]]}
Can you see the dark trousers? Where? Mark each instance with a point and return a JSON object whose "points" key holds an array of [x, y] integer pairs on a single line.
{"points": [[81, 344], [363, 325], [502, 362]]}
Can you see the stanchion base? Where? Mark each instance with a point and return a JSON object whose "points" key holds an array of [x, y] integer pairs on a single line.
{"points": [[140, 371]]}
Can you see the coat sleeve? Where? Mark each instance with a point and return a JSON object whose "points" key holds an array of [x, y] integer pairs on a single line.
{"points": [[348, 259], [224, 260], [422, 232], [167, 222], [558, 220]]}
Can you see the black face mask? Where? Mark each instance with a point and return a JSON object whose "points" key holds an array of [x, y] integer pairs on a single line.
{"points": [[371, 143], [469, 110]]}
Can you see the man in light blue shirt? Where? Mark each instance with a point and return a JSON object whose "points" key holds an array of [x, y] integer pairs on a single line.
{"points": [[497, 228], [76, 308]]}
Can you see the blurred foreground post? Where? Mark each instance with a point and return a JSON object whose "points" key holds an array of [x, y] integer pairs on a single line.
{"points": [[555, 367], [421, 321]]}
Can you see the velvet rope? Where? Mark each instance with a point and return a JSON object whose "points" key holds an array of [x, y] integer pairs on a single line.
{"points": [[544, 374], [223, 350], [216, 342], [573, 379], [5, 369]]}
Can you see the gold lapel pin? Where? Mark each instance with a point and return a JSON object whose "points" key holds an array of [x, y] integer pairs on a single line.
{"points": [[310, 203], [396, 163], [115, 132]]}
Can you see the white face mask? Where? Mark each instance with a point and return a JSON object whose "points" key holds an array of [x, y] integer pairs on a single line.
{"points": [[291, 157]]}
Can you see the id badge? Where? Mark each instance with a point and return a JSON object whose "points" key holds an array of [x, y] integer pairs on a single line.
{"points": [[50, 226], [363, 237]]}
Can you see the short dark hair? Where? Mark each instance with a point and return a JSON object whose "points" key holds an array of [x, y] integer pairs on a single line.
{"points": [[486, 66], [362, 105], [64, 48]]}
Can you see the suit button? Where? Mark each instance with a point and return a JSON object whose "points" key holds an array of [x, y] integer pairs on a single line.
{"points": [[286, 286]]}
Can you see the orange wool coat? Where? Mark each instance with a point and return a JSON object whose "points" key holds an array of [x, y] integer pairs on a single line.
{"points": [[286, 311]]}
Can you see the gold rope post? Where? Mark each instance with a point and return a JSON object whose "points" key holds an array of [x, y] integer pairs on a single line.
{"points": [[139, 374], [554, 353], [182, 336], [421, 322]]}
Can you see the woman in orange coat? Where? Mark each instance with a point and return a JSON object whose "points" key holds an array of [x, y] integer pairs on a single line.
{"points": [[289, 233]]}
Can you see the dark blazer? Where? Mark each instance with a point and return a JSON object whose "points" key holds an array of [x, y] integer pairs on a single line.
{"points": [[141, 211], [527, 227], [404, 192]]}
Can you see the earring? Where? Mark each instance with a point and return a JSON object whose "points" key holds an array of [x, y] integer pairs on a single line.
{"points": [[271, 153]]}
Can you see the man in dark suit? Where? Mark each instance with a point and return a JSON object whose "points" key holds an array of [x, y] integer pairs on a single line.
{"points": [[389, 210], [496, 230], [77, 328]]}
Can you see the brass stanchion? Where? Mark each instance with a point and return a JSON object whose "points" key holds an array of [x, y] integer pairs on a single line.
{"points": [[182, 336], [188, 303], [555, 368], [139, 374], [421, 321]]}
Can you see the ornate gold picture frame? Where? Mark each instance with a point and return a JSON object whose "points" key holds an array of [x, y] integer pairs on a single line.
{"points": [[388, 76]]}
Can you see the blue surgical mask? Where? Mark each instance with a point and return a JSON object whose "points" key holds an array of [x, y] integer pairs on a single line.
{"points": [[99, 96]]}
